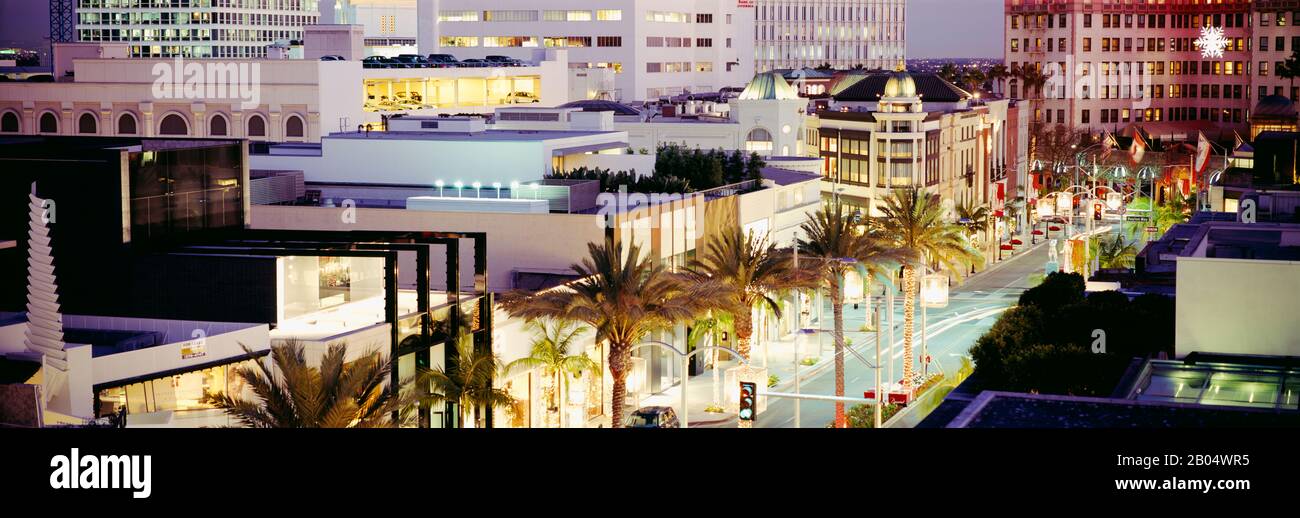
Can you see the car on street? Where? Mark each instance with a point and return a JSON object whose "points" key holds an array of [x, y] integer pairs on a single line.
{"points": [[653, 417]]}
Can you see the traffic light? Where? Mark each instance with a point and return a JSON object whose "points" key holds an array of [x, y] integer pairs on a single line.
{"points": [[748, 400], [1096, 212]]}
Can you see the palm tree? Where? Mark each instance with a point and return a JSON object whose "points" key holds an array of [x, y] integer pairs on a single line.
{"points": [[973, 78], [752, 266], [999, 74], [832, 244], [1116, 253], [623, 295], [914, 223], [550, 352], [950, 73], [338, 394], [1290, 68], [974, 219], [467, 382]]}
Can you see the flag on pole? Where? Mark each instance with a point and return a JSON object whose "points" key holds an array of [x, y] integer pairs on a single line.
{"points": [[1139, 148], [1202, 153], [1108, 144]]}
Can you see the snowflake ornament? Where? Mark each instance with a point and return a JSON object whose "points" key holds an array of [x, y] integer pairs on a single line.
{"points": [[1212, 43]]}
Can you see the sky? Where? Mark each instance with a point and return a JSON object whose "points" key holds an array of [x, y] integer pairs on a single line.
{"points": [[935, 28], [954, 29]]}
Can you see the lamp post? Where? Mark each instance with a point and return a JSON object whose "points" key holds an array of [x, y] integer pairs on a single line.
{"points": [[496, 186], [439, 184], [460, 186], [478, 189]]}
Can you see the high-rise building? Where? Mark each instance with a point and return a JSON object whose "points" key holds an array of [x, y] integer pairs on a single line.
{"points": [[845, 33], [1151, 62], [195, 28], [662, 48]]}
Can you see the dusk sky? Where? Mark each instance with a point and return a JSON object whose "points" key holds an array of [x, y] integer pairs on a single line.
{"points": [[935, 28], [954, 29]]}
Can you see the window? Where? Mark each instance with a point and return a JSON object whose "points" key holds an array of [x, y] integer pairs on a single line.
{"points": [[703, 42], [256, 126], [49, 123], [1085, 117], [759, 140], [566, 16], [510, 16], [217, 127], [87, 124], [173, 124], [458, 41], [609, 15], [703, 18], [9, 123], [458, 16], [293, 127], [126, 124], [609, 41]]}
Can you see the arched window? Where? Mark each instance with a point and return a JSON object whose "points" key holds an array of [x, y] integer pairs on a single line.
{"points": [[256, 126], [49, 123], [9, 123], [87, 124], [759, 140], [217, 127], [126, 124], [293, 126], [173, 124]]}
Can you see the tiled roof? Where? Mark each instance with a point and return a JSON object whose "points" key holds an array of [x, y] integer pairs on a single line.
{"points": [[869, 88]]}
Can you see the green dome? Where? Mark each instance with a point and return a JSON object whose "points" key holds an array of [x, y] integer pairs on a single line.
{"points": [[768, 85], [900, 84]]}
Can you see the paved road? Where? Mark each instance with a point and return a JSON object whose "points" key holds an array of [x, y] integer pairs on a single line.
{"points": [[972, 309]]}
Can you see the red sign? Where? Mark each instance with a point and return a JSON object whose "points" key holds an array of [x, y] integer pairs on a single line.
{"points": [[744, 3]]}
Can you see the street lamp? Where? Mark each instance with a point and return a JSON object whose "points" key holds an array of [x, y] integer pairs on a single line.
{"points": [[460, 186], [438, 184], [934, 294], [478, 189]]}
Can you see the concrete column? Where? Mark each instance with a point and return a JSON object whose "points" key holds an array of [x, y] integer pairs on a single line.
{"points": [[145, 124], [107, 124], [200, 122], [67, 119]]}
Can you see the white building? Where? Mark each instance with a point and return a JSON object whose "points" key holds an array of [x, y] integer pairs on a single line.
{"points": [[808, 33], [195, 28], [259, 99], [656, 49]]}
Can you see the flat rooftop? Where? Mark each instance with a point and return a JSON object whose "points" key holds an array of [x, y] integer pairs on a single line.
{"points": [[1015, 410], [493, 135]]}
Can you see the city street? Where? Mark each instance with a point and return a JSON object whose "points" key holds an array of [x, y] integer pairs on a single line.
{"points": [[972, 309]]}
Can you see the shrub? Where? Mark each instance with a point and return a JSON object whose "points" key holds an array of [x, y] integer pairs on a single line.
{"points": [[863, 416], [773, 380]]}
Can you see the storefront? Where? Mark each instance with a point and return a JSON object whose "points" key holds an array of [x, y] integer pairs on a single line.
{"points": [[177, 392]]}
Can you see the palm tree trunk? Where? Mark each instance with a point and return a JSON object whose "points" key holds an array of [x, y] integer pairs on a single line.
{"points": [[837, 311], [619, 358], [744, 324], [909, 317], [548, 393]]}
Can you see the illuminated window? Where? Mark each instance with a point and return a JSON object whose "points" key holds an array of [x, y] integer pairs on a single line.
{"points": [[609, 15], [758, 140], [458, 41]]}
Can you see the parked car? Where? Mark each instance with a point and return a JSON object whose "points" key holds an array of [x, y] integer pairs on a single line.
{"points": [[413, 61], [474, 63], [332, 57], [653, 417], [521, 98], [503, 61], [379, 62], [443, 60]]}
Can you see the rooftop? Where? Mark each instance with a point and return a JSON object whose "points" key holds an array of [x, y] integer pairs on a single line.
{"points": [[493, 135], [993, 409], [871, 87]]}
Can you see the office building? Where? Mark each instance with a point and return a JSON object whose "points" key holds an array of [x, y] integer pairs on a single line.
{"points": [[1140, 61], [194, 28], [791, 34]]}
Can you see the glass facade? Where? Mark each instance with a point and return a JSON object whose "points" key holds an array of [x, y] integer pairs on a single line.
{"points": [[1220, 384], [177, 191], [179, 392]]}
